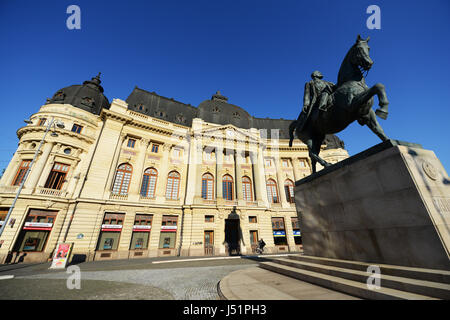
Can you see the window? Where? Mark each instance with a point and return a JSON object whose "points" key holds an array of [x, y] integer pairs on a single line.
{"points": [[57, 176], [141, 231], [303, 163], [35, 232], [209, 218], [149, 183], [76, 128], [247, 189], [168, 232], [131, 143], [176, 153], [3, 214], [285, 163], [296, 230], [289, 190], [207, 186], [155, 148], [227, 187], [268, 162], [272, 192], [279, 233], [208, 155], [252, 219], [24, 165], [110, 231], [122, 179], [173, 183], [42, 121]]}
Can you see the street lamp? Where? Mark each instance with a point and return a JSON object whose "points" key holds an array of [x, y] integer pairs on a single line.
{"points": [[51, 124]]}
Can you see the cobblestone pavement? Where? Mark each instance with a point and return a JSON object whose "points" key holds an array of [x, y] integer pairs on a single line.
{"points": [[191, 280]]}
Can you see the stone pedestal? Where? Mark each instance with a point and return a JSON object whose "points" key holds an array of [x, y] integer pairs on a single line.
{"points": [[387, 205]]}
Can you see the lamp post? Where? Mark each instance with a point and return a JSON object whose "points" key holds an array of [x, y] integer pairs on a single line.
{"points": [[52, 123]]}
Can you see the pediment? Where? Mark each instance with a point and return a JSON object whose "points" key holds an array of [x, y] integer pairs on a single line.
{"points": [[227, 132]]}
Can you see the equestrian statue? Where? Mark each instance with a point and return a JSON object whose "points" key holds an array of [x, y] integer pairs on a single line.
{"points": [[329, 108]]}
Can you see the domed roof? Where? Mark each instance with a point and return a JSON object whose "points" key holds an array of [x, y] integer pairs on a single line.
{"points": [[218, 110], [88, 96]]}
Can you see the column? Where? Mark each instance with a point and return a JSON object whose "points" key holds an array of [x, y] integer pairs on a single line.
{"points": [[296, 168], [163, 172], [38, 167], [238, 166], [280, 183], [192, 171], [219, 167], [112, 171], [138, 170], [259, 178]]}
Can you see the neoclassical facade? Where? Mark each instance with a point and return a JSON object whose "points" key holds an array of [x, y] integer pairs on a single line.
{"points": [[151, 176]]}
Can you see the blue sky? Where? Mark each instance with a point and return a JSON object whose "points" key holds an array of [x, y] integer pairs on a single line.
{"points": [[258, 53]]}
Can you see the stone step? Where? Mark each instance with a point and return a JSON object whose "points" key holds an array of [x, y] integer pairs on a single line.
{"points": [[441, 276], [422, 287], [350, 287]]}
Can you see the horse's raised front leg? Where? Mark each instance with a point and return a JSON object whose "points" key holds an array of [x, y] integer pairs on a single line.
{"points": [[373, 124], [383, 102]]}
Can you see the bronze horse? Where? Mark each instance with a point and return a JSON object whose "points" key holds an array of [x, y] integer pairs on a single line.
{"points": [[352, 100]]}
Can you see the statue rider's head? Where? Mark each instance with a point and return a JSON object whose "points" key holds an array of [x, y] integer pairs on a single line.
{"points": [[316, 75]]}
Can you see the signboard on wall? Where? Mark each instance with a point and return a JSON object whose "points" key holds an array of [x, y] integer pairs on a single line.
{"points": [[61, 256]]}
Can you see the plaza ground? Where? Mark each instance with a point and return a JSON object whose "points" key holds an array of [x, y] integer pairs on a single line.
{"points": [[174, 278]]}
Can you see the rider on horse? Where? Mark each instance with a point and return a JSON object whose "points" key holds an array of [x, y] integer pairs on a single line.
{"points": [[317, 92]]}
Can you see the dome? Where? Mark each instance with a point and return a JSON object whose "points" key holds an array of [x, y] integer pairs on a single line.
{"points": [[88, 96], [218, 110]]}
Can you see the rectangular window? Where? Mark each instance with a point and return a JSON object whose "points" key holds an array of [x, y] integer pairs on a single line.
{"points": [[296, 230], [285, 163], [42, 121], [3, 214], [141, 231], [76, 128], [131, 143], [155, 148], [279, 233], [209, 218], [176, 153], [268, 162], [35, 232], [168, 232], [110, 231], [139, 240], [252, 219], [57, 176], [24, 165], [303, 163]]}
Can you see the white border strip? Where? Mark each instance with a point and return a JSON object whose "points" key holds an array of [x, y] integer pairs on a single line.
{"points": [[223, 258]]}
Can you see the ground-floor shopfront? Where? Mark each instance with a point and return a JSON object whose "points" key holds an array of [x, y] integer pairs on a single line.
{"points": [[101, 231]]}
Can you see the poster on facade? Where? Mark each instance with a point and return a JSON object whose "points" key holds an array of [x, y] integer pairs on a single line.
{"points": [[61, 256]]}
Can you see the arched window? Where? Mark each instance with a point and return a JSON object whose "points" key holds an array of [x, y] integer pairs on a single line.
{"points": [[247, 189], [289, 190], [173, 184], [207, 186], [272, 192], [149, 183], [122, 179], [227, 187]]}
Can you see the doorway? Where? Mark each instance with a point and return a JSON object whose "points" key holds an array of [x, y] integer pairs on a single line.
{"points": [[209, 243], [232, 236]]}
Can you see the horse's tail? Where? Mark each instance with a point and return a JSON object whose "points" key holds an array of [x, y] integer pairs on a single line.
{"points": [[291, 132]]}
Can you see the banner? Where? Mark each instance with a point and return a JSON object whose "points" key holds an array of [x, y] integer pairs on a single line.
{"points": [[61, 256]]}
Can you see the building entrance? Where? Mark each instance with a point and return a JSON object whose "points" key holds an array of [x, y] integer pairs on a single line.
{"points": [[232, 236]]}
